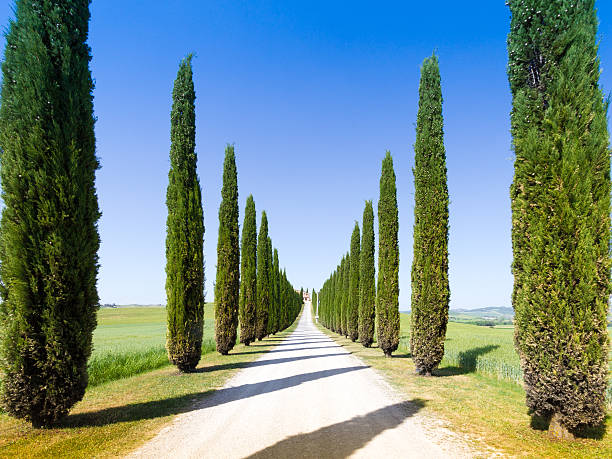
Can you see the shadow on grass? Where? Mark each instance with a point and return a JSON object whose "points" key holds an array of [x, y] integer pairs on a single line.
{"points": [[467, 361], [193, 401], [586, 432], [260, 363], [344, 438]]}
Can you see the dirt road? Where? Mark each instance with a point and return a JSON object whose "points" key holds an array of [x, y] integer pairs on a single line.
{"points": [[308, 398]]}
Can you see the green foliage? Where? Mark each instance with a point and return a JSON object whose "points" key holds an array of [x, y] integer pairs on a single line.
{"points": [[227, 285], [387, 298], [274, 322], [270, 263], [346, 275], [560, 208], [263, 279], [248, 278], [430, 287], [185, 230], [49, 236], [340, 312], [353, 288], [367, 281]]}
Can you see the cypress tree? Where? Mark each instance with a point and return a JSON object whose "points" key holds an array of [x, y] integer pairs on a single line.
{"points": [[333, 302], [346, 274], [353, 302], [560, 210], [49, 236], [430, 288], [340, 301], [227, 286], [271, 310], [276, 295], [367, 281], [248, 278], [185, 231], [387, 299], [263, 279]]}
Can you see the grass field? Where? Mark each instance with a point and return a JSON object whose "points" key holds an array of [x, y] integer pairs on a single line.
{"points": [[477, 391], [132, 340], [118, 415], [487, 350]]}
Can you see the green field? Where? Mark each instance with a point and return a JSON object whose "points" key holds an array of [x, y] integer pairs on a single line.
{"points": [[473, 348], [131, 340]]}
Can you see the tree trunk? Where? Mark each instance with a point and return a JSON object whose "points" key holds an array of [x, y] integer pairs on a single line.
{"points": [[557, 430]]}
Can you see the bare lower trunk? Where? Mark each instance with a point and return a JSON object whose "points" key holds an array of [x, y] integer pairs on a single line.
{"points": [[557, 430]]}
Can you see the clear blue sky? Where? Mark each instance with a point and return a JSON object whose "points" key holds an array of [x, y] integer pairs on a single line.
{"points": [[312, 94]]}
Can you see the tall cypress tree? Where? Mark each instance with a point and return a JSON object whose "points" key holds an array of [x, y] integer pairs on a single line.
{"points": [[263, 279], [430, 287], [341, 302], [185, 230], [560, 210], [346, 275], [49, 236], [367, 281], [387, 298], [275, 303], [227, 286], [248, 278], [271, 310], [353, 302]]}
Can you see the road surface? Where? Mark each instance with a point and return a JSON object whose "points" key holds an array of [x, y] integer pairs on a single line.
{"points": [[306, 398]]}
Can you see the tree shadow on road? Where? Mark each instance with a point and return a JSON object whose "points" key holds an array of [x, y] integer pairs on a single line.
{"points": [[296, 343], [259, 363], [194, 401], [283, 350], [344, 438], [467, 361]]}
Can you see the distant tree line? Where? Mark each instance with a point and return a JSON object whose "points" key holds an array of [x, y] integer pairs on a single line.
{"points": [[348, 301], [257, 295]]}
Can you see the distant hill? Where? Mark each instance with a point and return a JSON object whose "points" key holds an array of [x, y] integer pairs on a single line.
{"points": [[107, 305], [492, 313]]}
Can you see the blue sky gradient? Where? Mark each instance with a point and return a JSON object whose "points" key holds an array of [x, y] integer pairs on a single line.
{"points": [[312, 94]]}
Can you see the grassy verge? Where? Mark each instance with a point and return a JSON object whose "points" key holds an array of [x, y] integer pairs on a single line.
{"points": [[118, 416], [490, 410]]}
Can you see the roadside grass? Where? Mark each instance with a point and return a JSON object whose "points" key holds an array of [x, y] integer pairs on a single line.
{"points": [[474, 398], [116, 417], [131, 340]]}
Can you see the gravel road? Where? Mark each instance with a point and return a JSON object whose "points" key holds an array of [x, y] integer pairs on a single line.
{"points": [[306, 398]]}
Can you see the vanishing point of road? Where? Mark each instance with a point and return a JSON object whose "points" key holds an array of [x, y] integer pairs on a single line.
{"points": [[306, 398]]}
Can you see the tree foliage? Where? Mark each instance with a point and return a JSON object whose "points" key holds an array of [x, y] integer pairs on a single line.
{"points": [[352, 318], [263, 279], [49, 237], [560, 209], [227, 285], [248, 278], [185, 231], [430, 287], [387, 299], [367, 281]]}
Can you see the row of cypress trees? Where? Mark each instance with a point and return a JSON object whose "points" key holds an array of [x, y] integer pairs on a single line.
{"points": [[257, 294], [348, 302], [560, 219], [258, 300], [49, 235]]}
